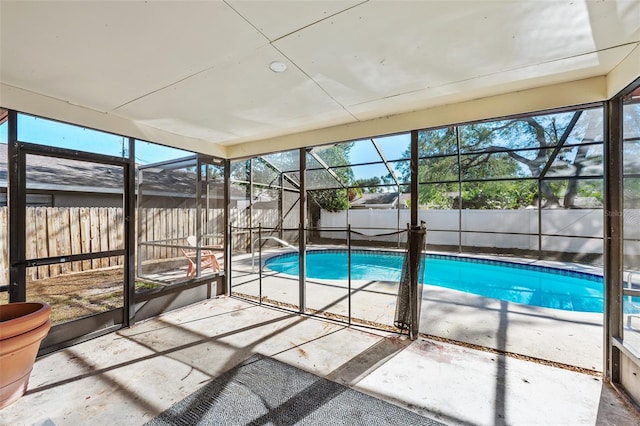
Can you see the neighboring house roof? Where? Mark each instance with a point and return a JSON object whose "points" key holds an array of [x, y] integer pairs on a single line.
{"points": [[380, 200], [60, 174]]}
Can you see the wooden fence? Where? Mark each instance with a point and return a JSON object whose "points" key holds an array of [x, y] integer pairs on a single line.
{"points": [[61, 231], [161, 228]]}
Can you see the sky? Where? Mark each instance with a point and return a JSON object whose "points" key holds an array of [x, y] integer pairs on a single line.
{"points": [[53, 133], [363, 151]]}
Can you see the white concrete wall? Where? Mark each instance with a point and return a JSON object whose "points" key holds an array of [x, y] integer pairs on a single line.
{"points": [[443, 225]]}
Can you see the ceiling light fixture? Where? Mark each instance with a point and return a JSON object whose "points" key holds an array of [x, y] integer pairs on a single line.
{"points": [[278, 66]]}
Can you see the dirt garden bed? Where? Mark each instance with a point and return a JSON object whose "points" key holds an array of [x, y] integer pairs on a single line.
{"points": [[79, 294]]}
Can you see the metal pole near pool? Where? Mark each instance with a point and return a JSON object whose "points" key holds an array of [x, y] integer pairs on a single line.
{"points": [[349, 269], [411, 292], [260, 262]]}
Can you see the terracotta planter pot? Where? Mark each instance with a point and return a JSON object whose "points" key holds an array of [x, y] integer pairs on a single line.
{"points": [[22, 328]]}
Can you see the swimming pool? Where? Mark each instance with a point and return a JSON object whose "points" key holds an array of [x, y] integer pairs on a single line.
{"points": [[520, 283]]}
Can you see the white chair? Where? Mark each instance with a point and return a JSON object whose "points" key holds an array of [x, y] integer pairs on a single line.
{"points": [[207, 258]]}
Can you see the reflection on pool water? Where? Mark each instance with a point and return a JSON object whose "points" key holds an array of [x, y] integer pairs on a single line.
{"points": [[520, 283]]}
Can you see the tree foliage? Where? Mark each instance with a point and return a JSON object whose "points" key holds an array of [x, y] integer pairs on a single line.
{"points": [[374, 184], [502, 164], [331, 200], [499, 161], [631, 154], [331, 194], [369, 185]]}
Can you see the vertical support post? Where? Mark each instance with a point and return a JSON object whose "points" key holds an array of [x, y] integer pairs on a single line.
{"points": [[539, 218], [349, 270], [412, 286], [302, 245], [17, 197], [416, 235], [398, 217], [415, 178], [228, 261], [613, 239], [130, 235], [250, 221], [260, 262], [198, 216], [281, 208], [347, 216], [226, 241], [457, 130], [139, 203]]}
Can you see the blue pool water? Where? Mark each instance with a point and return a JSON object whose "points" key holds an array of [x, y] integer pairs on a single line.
{"points": [[519, 283]]}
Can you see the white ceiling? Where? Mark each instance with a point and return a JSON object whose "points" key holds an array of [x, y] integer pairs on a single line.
{"points": [[201, 68]]}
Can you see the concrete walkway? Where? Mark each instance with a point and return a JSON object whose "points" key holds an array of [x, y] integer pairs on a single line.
{"points": [[128, 377]]}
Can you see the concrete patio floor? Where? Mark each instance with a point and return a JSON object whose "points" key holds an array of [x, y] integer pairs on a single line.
{"points": [[129, 377], [532, 331]]}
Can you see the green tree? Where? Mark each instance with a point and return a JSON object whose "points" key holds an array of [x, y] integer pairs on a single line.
{"points": [[369, 185], [505, 149], [631, 154], [331, 200], [328, 189]]}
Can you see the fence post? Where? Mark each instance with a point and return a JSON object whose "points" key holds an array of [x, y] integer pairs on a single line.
{"points": [[415, 256], [260, 262], [228, 249], [409, 294], [349, 269], [302, 266]]}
